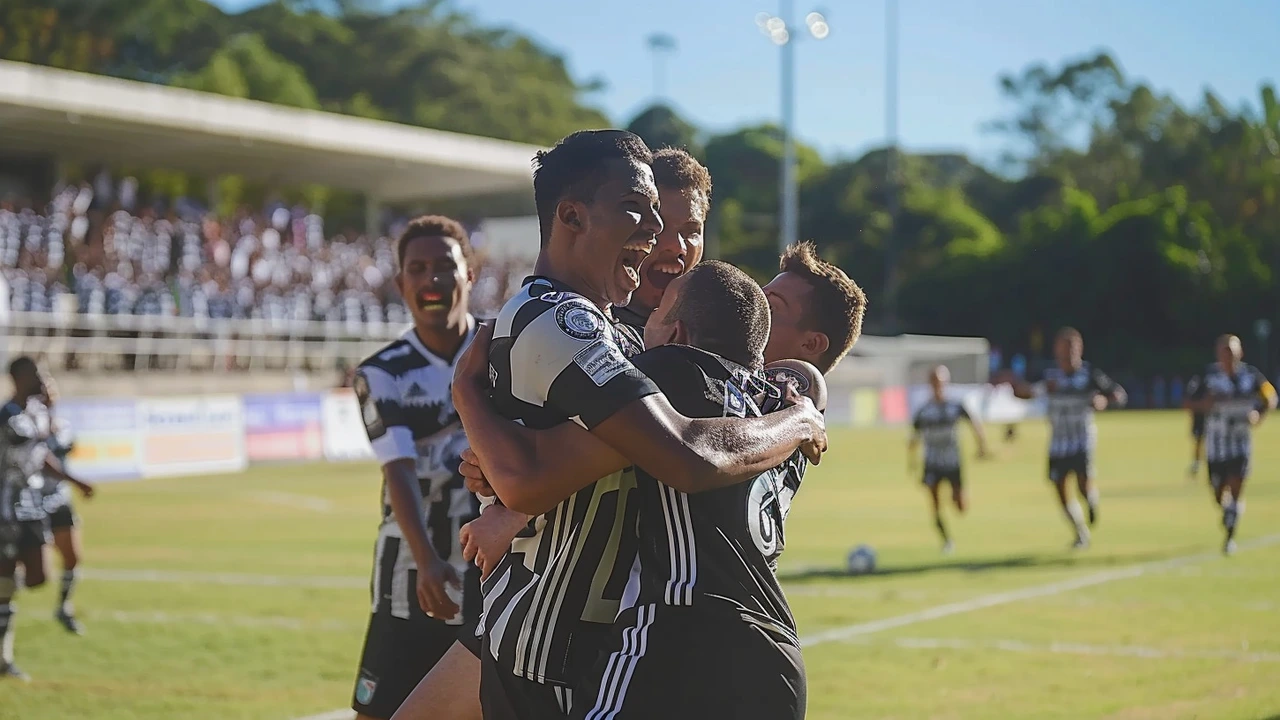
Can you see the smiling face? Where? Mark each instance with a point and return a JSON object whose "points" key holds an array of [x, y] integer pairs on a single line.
{"points": [[679, 246], [614, 233], [435, 281]]}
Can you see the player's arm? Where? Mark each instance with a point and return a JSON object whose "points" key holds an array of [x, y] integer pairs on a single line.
{"points": [[629, 421], [979, 432], [1198, 398], [1267, 396], [1110, 392], [392, 442], [54, 468], [913, 443]]}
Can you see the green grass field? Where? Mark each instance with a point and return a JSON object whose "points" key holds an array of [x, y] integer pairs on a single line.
{"points": [[245, 596]]}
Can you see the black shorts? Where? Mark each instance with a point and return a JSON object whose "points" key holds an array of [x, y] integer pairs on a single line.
{"points": [[397, 654], [1197, 425], [18, 538], [63, 518], [507, 696], [933, 476], [1220, 470], [692, 664], [1079, 464]]}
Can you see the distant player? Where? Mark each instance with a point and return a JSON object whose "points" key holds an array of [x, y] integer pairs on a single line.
{"points": [[1075, 391], [63, 521], [1234, 397], [935, 424], [425, 596]]}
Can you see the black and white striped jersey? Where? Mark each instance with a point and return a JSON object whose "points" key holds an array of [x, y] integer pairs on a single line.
{"points": [[935, 423], [1070, 407], [1228, 434], [23, 450], [406, 400], [716, 550], [556, 357]]}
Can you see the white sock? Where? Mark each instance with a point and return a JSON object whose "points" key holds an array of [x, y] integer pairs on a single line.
{"points": [[1091, 496], [1075, 513]]}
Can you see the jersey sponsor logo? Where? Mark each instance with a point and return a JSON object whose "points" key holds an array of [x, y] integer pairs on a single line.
{"points": [[552, 297], [366, 686], [601, 361], [765, 515], [368, 407], [578, 321]]}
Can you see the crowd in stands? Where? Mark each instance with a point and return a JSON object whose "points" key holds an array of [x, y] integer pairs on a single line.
{"points": [[95, 249]]}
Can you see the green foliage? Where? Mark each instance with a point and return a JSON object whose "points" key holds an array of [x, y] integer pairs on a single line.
{"points": [[1151, 224]]}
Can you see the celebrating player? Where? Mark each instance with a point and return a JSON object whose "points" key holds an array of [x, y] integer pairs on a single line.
{"points": [[557, 356], [684, 193], [1075, 390], [935, 424], [425, 596], [1234, 396]]}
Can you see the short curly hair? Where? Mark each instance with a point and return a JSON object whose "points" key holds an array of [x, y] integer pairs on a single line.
{"points": [[434, 226]]}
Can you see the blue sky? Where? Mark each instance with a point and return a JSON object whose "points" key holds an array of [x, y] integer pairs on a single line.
{"points": [[725, 73]]}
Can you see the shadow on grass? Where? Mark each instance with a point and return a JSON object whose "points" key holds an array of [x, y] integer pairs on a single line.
{"points": [[1016, 562]]}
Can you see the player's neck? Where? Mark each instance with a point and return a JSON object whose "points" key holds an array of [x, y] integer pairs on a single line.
{"points": [[562, 271], [444, 340], [1071, 365], [21, 399]]}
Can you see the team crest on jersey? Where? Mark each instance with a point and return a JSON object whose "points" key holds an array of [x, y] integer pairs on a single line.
{"points": [[366, 686], [783, 376], [578, 321]]}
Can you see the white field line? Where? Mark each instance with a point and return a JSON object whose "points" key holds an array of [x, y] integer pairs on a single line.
{"points": [[218, 578], [854, 632], [1066, 648], [1028, 593], [273, 622], [294, 500]]}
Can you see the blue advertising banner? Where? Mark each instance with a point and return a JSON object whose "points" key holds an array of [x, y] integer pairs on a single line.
{"points": [[284, 427]]}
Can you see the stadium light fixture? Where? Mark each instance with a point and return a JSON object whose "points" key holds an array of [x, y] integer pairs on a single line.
{"points": [[779, 30]]}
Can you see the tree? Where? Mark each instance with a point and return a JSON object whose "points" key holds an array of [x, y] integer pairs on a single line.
{"points": [[660, 126]]}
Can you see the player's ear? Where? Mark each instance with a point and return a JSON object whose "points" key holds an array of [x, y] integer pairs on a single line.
{"points": [[679, 333], [816, 343], [571, 213]]}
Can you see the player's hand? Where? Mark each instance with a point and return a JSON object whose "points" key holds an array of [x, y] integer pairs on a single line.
{"points": [[1100, 402], [471, 373], [85, 489], [1254, 417], [814, 448], [982, 452], [487, 538], [473, 476], [432, 595]]}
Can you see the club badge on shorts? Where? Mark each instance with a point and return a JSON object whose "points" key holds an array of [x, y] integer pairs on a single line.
{"points": [[365, 687]]}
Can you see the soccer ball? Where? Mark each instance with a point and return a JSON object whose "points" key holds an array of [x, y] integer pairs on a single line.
{"points": [[861, 560]]}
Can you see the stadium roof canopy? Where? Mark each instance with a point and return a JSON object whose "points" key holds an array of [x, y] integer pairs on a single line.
{"points": [[77, 117]]}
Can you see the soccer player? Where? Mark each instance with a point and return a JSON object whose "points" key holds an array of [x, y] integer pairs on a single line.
{"points": [[935, 424], [1234, 396], [684, 193], [24, 427], [1075, 390], [557, 356], [425, 596], [63, 521]]}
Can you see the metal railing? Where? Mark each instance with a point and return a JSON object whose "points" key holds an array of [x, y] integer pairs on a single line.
{"points": [[138, 342]]}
